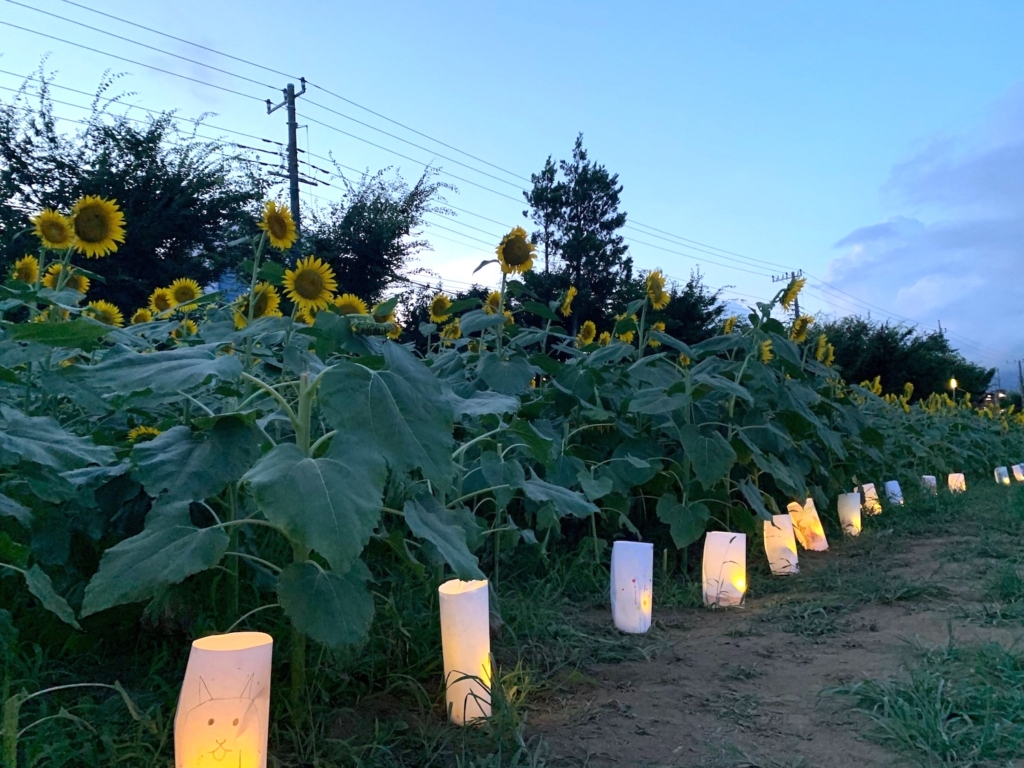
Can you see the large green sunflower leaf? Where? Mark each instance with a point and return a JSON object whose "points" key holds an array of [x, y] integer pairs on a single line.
{"points": [[82, 333], [189, 466], [123, 371], [39, 584], [331, 504], [686, 522], [41, 440], [566, 502], [712, 457], [398, 412], [169, 550], [444, 528], [333, 610]]}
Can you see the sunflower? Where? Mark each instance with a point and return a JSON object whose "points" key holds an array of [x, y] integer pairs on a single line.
{"points": [[44, 316], [792, 291], [311, 284], [26, 270], [350, 304], [451, 332], [492, 304], [304, 316], [509, 318], [515, 252], [626, 336], [161, 300], [106, 312], [53, 229], [142, 315], [729, 325], [185, 328], [656, 290], [267, 302], [587, 334], [566, 308], [658, 326], [766, 351], [604, 339], [830, 355], [76, 280], [183, 290], [684, 360], [380, 315], [798, 332], [142, 433], [279, 225], [819, 352], [394, 331], [440, 307], [98, 225]]}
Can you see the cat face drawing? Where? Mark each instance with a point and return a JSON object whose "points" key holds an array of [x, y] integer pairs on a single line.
{"points": [[222, 732]]}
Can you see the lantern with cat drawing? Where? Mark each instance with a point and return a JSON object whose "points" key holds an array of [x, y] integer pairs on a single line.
{"points": [[224, 706]]}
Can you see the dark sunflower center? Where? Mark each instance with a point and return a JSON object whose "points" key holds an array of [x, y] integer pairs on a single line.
{"points": [[260, 307], [53, 231], [25, 273], [516, 252], [161, 302], [183, 293], [76, 283], [91, 225], [309, 284], [277, 225], [439, 308]]}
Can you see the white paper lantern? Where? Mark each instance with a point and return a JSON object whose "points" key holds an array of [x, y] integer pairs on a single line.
{"points": [[893, 492], [632, 586], [930, 483], [1018, 472], [466, 648], [807, 526], [1002, 476], [780, 545], [849, 513], [724, 570], [224, 706], [871, 503], [957, 483]]}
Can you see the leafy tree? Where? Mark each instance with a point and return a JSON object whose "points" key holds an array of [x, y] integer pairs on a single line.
{"points": [[865, 349], [371, 235], [579, 216], [184, 200]]}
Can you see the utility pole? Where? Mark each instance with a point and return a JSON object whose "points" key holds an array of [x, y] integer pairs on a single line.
{"points": [[788, 278], [1020, 376], [293, 146]]}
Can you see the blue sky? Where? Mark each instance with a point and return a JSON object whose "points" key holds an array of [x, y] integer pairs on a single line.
{"points": [[878, 146]]}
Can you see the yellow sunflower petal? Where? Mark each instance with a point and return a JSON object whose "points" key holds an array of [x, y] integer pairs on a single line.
{"points": [[515, 252], [106, 312], [53, 229], [311, 284], [161, 300], [439, 308], [185, 289], [279, 225], [99, 226], [26, 269], [350, 304]]}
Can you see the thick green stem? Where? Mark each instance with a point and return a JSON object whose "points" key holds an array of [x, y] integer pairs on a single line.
{"points": [[232, 515], [593, 533], [304, 414], [298, 670]]}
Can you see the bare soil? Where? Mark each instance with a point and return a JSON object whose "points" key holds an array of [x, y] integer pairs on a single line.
{"points": [[750, 686]]}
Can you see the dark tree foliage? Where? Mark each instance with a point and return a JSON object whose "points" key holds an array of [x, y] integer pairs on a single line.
{"points": [[184, 201], [865, 349], [693, 314], [371, 235], [579, 218]]}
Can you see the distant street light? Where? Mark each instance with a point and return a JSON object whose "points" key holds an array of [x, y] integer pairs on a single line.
{"points": [[952, 385]]}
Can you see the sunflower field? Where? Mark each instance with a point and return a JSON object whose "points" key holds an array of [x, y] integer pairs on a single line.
{"points": [[280, 452]]}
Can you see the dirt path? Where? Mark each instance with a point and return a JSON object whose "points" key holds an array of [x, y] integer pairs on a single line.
{"points": [[741, 687]]}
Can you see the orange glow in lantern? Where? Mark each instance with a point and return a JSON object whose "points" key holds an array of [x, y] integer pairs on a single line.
{"points": [[224, 706], [1002, 475], [807, 526], [1018, 472], [957, 483], [466, 647], [724, 568]]}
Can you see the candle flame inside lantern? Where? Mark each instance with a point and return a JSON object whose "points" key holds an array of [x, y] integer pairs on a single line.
{"points": [[1002, 475], [957, 483]]}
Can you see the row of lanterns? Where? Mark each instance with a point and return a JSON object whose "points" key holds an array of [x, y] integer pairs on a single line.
{"points": [[224, 705]]}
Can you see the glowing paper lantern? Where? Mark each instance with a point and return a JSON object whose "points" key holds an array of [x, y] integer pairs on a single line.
{"points": [[871, 504], [1018, 472], [807, 526], [849, 513], [893, 492], [930, 483], [632, 586], [1002, 476], [466, 648], [224, 705], [780, 545], [724, 569], [957, 483]]}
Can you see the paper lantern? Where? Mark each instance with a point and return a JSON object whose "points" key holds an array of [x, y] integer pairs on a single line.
{"points": [[1018, 472], [1002, 476], [224, 705], [893, 492], [466, 649], [849, 513], [957, 483], [632, 586], [724, 570], [930, 483], [807, 526], [780, 545], [871, 504]]}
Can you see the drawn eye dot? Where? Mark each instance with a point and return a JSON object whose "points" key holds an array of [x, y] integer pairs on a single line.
{"points": [[235, 722], [210, 721]]}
